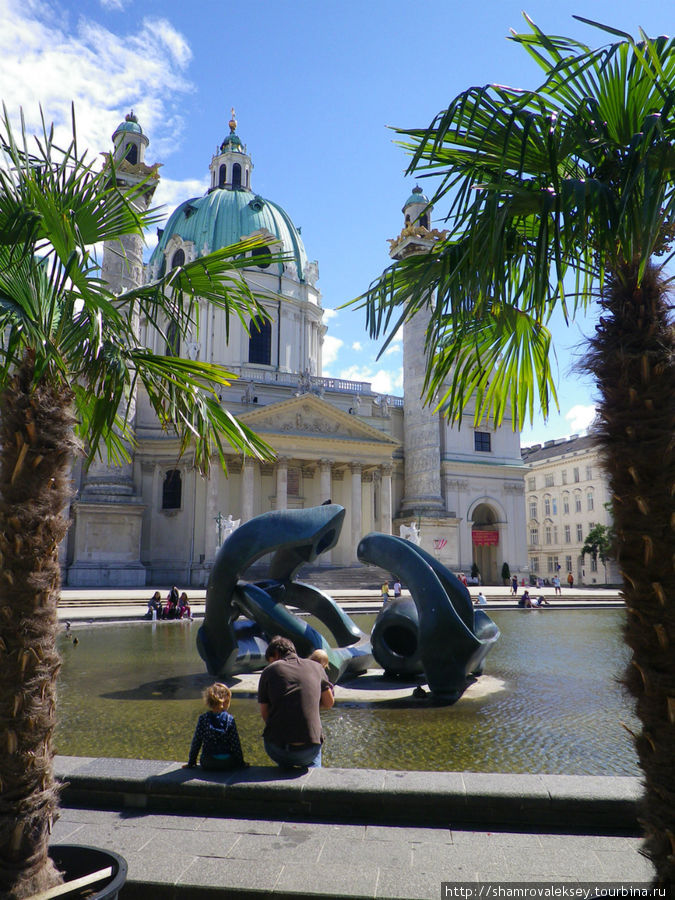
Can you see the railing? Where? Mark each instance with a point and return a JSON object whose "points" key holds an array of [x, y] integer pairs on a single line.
{"points": [[311, 383]]}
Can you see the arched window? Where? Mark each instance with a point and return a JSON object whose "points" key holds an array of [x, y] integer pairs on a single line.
{"points": [[131, 154], [178, 259], [172, 340], [222, 176], [172, 490], [260, 342], [424, 220], [236, 176]]}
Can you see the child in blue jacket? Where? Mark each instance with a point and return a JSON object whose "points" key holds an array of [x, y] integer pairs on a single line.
{"points": [[216, 734]]}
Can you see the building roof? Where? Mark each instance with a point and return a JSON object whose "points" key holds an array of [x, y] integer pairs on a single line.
{"points": [[130, 124], [560, 447], [222, 217]]}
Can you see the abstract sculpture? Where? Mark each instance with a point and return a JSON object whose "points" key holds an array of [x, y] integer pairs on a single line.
{"points": [[229, 644], [439, 632]]}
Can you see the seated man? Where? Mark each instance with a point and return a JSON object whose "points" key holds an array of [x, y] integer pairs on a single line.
{"points": [[290, 692]]}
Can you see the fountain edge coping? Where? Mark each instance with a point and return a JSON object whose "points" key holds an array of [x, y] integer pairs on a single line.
{"points": [[576, 804]]}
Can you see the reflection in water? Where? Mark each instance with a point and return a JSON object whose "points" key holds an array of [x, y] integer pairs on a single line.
{"points": [[135, 691]]}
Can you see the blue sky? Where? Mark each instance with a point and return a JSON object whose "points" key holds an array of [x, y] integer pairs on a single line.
{"points": [[314, 84]]}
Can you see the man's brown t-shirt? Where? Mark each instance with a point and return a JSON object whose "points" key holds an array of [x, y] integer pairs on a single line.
{"points": [[292, 687]]}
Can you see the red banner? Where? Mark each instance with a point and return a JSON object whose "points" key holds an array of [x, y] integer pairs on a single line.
{"points": [[485, 538]]}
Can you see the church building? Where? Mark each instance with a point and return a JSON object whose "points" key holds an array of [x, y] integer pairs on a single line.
{"points": [[390, 461]]}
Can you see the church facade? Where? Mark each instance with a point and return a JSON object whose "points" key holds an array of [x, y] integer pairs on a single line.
{"points": [[390, 461]]}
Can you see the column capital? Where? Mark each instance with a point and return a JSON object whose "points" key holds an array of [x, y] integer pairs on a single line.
{"points": [[282, 462], [386, 470], [356, 466], [326, 463]]}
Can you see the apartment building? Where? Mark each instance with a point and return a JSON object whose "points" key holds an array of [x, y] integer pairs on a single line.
{"points": [[565, 496]]}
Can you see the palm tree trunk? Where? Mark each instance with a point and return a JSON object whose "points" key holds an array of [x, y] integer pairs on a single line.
{"points": [[632, 360], [36, 446]]}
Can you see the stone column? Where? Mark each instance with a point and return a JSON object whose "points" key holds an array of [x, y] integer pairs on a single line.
{"points": [[212, 510], [385, 499], [325, 486], [422, 493], [325, 466], [282, 483], [247, 472], [356, 468]]}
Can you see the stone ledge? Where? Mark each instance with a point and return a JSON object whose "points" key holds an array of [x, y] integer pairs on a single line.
{"points": [[561, 803]]}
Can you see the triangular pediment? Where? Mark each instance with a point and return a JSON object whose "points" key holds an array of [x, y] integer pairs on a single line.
{"points": [[310, 417]]}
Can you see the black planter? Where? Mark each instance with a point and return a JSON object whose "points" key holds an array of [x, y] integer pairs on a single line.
{"points": [[77, 860]]}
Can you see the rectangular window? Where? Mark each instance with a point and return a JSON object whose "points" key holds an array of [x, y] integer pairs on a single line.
{"points": [[566, 505], [594, 565], [564, 476], [589, 473], [568, 563], [568, 534], [577, 503], [554, 504], [547, 534], [548, 481], [550, 563], [534, 536], [534, 563], [531, 483], [533, 510], [580, 533], [547, 506], [481, 441], [555, 534], [589, 501], [576, 475]]}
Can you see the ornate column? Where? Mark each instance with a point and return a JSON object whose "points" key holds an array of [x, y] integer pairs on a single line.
{"points": [[356, 468], [247, 471], [282, 483], [385, 499]]}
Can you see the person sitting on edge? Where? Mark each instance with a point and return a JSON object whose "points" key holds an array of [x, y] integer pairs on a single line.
{"points": [[290, 692], [216, 734], [154, 606], [183, 609], [527, 602], [480, 599]]}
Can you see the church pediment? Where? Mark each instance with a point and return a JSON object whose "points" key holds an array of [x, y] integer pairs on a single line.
{"points": [[308, 416]]}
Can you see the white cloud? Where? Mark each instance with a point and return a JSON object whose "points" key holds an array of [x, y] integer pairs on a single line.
{"points": [[114, 5], [329, 314], [580, 417], [383, 381], [357, 346], [331, 348], [51, 58]]}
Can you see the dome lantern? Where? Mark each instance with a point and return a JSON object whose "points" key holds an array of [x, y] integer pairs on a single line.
{"points": [[231, 165]]}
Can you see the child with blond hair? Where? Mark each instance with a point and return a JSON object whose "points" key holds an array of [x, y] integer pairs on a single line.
{"points": [[216, 733]]}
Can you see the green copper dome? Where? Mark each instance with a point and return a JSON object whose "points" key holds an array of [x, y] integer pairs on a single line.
{"points": [[416, 197], [130, 124], [224, 216]]}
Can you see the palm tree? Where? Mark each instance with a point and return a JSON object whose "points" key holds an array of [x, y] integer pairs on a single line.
{"points": [[70, 363], [563, 197]]}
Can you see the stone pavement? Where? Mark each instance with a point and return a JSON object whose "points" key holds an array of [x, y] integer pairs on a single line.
{"points": [[357, 834]]}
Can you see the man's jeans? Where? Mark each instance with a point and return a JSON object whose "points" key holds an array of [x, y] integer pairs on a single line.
{"points": [[289, 757]]}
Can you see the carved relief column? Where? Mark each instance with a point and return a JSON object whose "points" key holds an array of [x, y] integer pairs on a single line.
{"points": [[385, 502], [325, 485], [282, 483], [247, 489], [356, 468]]}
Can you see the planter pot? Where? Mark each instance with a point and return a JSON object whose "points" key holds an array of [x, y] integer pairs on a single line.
{"points": [[77, 861]]}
